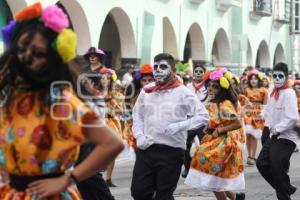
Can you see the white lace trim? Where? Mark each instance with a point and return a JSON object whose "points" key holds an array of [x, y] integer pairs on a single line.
{"points": [[208, 182], [255, 132]]}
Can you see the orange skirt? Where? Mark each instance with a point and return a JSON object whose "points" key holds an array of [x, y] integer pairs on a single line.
{"points": [[252, 117], [8, 193], [115, 124], [128, 135], [219, 156]]}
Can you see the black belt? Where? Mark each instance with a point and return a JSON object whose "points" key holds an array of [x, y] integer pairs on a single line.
{"points": [[20, 183]]}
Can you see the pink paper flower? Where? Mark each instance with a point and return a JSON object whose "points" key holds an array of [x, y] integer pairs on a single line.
{"points": [[54, 18], [223, 69], [216, 75]]}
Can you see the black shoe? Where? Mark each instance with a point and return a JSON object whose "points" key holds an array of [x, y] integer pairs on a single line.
{"points": [[184, 173], [293, 190], [110, 184], [240, 196]]}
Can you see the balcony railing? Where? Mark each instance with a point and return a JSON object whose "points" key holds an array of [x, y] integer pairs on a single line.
{"points": [[282, 11], [262, 8], [226, 4]]}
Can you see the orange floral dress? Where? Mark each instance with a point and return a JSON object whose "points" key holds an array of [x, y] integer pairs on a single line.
{"points": [[217, 164], [114, 108], [127, 132], [298, 99], [35, 140], [254, 123]]}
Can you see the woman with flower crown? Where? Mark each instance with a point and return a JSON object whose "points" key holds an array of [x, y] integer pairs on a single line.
{"points": [[43, 122], [217, 164], [254, 124], [114, 104]]}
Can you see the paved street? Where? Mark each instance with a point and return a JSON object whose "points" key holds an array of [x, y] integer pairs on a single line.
{"points": [[256, 187]]}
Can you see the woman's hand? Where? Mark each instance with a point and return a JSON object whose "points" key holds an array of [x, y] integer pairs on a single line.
{"points": [[47, 187], [5, 176], [215, 133]]}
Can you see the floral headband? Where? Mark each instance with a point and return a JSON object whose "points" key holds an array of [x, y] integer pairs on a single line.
{"points": [[144, 69], [53, 18], [223, 76], [237, 79], [260, 75], [111, 72]]}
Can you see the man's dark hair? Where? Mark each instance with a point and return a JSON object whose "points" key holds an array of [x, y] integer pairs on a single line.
{"points": [[281, 67], [167, 57], [201, 66]]}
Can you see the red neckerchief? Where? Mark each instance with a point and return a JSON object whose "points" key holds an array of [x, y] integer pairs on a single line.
{"points": [[199, 86], [275, 91], [159, 87]]}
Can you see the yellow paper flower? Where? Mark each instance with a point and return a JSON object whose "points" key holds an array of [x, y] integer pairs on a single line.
{"points": [[224, 83], [238, 80], [114, 77], [228, 75], [66, 45], [260, 76]]}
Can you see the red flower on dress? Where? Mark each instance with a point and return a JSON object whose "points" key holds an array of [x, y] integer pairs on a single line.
{"points": [[41, 137], [25, 105], [63, 130]]}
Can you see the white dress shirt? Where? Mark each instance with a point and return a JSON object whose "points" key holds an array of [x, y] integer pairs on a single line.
{"points": [[282, 115], [201, 94], [126, 79], [154, 112]]}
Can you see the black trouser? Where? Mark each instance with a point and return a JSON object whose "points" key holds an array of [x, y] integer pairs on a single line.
{"points": [[265, 135], [273, 163], [93, 188], [156, 172], [189, 142]]}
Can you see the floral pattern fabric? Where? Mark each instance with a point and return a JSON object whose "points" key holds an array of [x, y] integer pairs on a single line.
{"points": [[220, 156], [252, 114], [35, 140]]}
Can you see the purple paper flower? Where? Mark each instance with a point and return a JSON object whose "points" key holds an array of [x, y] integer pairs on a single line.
{"points": [[138, 75], [7, 32]]}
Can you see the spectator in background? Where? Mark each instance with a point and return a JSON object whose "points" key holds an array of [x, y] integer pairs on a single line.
{"points": [[127, 77], [94, 57]]}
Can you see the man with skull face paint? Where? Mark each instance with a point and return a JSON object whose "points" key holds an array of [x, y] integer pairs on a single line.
{"points": [[160, 126], [281, 115], [197, 86]]}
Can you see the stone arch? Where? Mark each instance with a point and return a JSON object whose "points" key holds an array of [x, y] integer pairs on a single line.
{"points": [[279, 55], [195, 44], [169, 38], [221, 52], [249, 54], [117, 37], [263, 55]]}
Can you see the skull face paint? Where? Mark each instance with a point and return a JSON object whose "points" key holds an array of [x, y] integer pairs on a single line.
{"points": [[162, 71], [198, 73], [279, 78]]}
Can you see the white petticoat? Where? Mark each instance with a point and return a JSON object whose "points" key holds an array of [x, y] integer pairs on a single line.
{"points": [[128, 151], [208, 182], [255, 132]]}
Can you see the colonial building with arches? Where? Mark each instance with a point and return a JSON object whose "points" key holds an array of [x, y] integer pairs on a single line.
{"points": [[232, 33]]}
